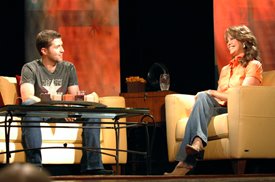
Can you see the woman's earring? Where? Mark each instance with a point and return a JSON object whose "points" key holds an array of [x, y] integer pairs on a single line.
{"points": [[244, 45]]}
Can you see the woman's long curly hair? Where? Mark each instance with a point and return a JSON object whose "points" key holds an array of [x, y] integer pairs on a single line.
{"points": [[243, 34]]}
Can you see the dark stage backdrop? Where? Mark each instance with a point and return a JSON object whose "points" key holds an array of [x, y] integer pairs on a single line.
{"points": [[176, 33], [90, 33], [258, 15]]}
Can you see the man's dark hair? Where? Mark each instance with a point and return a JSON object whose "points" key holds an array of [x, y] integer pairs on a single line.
{"points": [[44, 39]]}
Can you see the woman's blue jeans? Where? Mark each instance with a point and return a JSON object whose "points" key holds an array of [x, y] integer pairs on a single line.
{"points": [[32, 138], [204, 109]]}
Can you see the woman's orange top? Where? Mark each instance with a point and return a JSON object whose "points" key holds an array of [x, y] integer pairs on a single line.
{"points": [[233, 74]]}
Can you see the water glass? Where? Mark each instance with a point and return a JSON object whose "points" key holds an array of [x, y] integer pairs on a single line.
{"points": [[45, 97], [164, 81], [57, 96], [80, 95]]}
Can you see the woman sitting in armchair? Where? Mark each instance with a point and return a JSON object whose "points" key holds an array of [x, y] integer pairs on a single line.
{"points": [[244, 69]]}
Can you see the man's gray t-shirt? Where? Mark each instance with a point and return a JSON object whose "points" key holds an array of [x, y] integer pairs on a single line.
{"points": [[46, 82]]}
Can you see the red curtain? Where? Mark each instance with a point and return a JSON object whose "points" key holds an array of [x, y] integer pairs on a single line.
{"points": [[90, 33], [258, 15]]}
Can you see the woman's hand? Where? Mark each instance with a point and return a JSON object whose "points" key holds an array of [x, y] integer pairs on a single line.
{"points": [[206, 91]]}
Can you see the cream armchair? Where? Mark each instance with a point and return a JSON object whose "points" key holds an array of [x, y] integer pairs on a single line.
{"points": [[58, 136], [245, 132]]}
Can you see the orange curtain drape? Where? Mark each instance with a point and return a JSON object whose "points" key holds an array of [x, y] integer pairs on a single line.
{"points": [[90, 33], [258, 15]]}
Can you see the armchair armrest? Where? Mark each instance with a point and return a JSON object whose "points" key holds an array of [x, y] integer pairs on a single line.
{"points": [[109, 135], [251, 115], [177, 107], [112, 101]]}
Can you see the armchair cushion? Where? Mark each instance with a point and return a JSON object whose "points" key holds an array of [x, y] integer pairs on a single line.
{"points": [[218, 127]]}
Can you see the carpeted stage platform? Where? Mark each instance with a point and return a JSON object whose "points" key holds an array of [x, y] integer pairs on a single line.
{"points": [[161, 178], [206, 171]]}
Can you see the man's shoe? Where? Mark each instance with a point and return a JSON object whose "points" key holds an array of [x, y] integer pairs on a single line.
{"points": [[98, 172]]}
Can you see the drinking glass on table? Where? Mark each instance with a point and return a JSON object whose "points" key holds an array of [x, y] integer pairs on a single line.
{"points": [[164, 81], [80, 95], [57, 96]]}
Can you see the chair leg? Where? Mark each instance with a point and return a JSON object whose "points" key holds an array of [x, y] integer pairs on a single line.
{"points": [[117, 171], [239, 166]]}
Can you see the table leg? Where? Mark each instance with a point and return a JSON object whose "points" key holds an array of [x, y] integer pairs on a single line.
{"points": [[117, 135], [7, 137]]}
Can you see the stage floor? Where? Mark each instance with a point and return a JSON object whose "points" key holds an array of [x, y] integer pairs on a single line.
{"points": [[161, 178], [264, 166]]}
